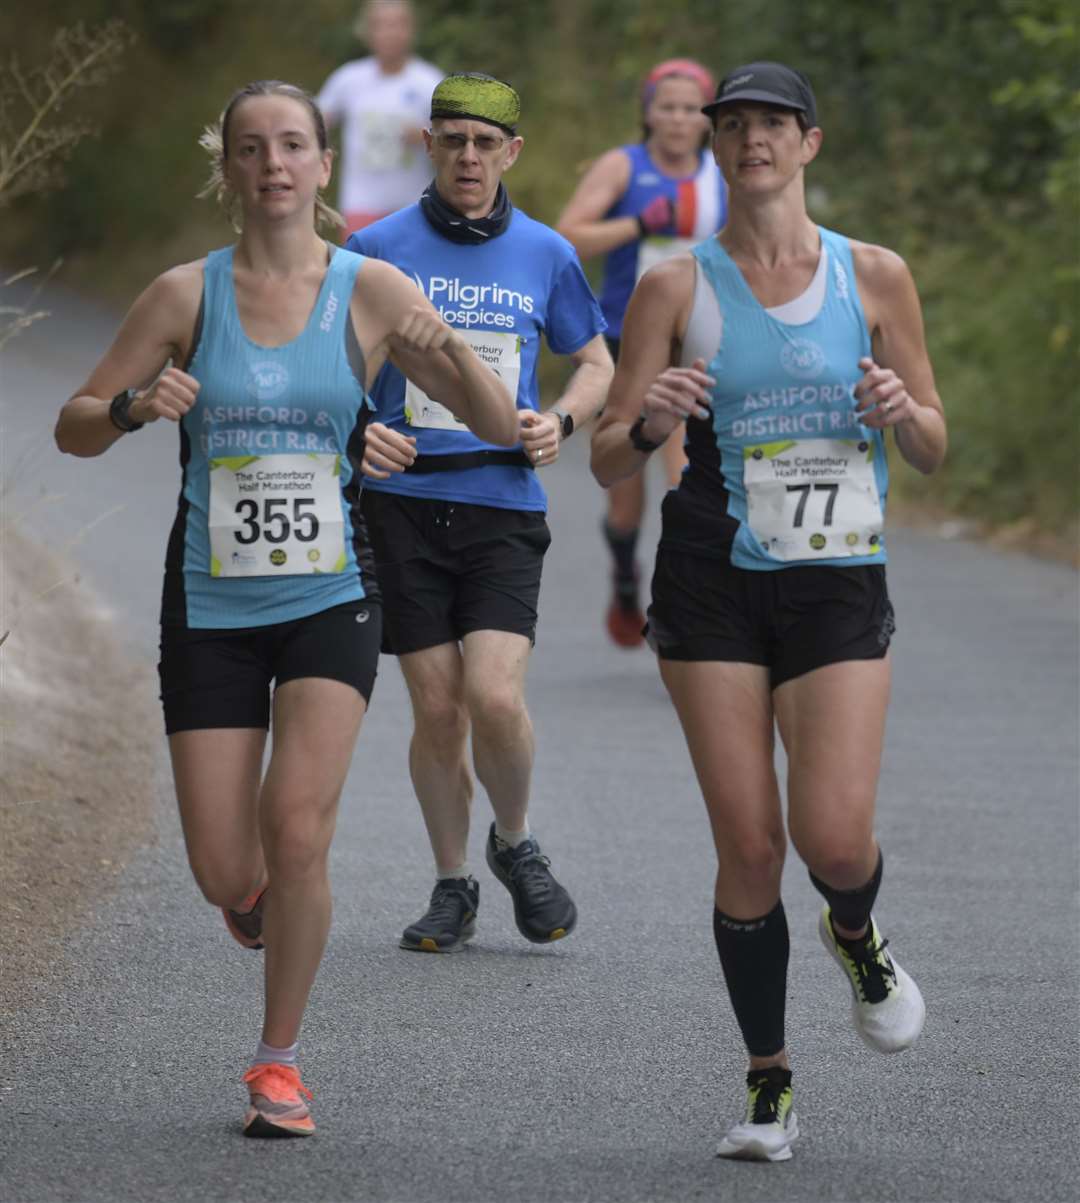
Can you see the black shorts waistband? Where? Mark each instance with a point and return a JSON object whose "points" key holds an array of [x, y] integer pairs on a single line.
{"points": [[457, 461]]}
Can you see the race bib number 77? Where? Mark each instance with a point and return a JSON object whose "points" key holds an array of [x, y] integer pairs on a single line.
{"points": [[813, 499], [276, 515]]}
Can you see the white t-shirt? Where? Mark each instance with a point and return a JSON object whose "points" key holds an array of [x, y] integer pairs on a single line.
{"points": [[379, 171]]}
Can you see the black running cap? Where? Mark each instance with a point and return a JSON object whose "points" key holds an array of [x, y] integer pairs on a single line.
{"points": [[769, 83]]}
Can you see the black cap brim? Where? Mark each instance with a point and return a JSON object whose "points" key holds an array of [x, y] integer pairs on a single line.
{"points": [[783, 102]]}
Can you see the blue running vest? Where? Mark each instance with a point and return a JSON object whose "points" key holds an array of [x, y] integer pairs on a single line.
{"points": [[269, 427], [702, 206], [784, 468]]}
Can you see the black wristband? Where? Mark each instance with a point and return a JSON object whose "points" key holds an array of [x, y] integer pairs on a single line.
{"points": [[642, 231], [119, 413], [638, 440]]}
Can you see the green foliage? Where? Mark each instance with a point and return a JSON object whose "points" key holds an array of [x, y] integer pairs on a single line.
{"points": [[37, 129], [952, 135], [38, 133]]}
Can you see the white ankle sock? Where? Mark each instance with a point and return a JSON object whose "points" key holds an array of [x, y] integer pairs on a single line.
{"points": [[461, 870], [266, 1053], [511, 839]]}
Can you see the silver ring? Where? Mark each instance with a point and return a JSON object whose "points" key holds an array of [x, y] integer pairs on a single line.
{"points": [[539, 452], [887, 406]]}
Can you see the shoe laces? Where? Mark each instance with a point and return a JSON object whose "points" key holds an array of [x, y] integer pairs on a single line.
{"points": [[447, 902], [765, 1098], [530, 872], [279, 1083], [874, 972]]}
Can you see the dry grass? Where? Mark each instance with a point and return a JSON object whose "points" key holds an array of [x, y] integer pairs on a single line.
{"points": [[80, 738]]}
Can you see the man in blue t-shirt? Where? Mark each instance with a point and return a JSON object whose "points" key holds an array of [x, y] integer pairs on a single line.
{"points": [[458, 525]]}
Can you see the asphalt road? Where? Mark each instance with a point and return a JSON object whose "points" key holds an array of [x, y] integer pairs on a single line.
{"points": [[605, 1067]]}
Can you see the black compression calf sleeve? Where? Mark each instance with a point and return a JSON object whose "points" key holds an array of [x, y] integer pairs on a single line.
{"points": [[851, 908], [623, 545], [754, 958]]}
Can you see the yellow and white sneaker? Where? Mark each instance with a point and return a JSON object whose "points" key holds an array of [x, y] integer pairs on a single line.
{"points": [[886, 1005], [770, 1125]]}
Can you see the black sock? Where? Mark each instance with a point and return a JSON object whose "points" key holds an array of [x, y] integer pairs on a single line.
{"points": [[754, 958], [623, 545], [851, 908]]}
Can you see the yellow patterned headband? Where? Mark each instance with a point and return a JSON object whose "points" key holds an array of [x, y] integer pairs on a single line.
{"points": [[470, 95]]}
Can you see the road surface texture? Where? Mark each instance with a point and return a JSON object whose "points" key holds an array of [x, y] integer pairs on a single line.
{"points": [[605, 1067]]}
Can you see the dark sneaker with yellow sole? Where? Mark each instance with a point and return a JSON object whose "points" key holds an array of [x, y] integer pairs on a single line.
{"points": [[543, 910], [450, 920]]}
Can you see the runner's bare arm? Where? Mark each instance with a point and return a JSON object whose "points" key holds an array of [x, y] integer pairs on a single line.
{"points": [[157, 328], [587, 389], [581, 400], [583, 222], [432, 354], [645, 383], [897, 388]]}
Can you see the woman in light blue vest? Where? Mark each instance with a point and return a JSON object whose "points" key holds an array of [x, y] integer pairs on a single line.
{"points": [[269, 579], [797, 350]]}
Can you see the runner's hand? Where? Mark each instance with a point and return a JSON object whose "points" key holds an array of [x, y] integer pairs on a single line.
{"points": [[386, 451], [658, 216], [541, 435], [675, 396], [880, 397], [421, 329], [170, 396]]}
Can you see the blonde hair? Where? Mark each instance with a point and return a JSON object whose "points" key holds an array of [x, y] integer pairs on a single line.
{"points": [[214, 141]]}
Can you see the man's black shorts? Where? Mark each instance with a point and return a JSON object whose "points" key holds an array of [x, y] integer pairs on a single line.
{"points": [[447, 568], [791, 620], [222, 678]]}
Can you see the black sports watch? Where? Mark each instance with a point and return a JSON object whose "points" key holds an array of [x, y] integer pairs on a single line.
{"points": [[119, 411], [638, 440], [566, 422]]}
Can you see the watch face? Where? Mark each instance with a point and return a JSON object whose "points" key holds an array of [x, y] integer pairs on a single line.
{"points": [[567, 425]]}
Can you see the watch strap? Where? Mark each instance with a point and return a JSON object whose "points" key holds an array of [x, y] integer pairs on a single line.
{"points": [[119, 411], [566, 421], [638, 440]]}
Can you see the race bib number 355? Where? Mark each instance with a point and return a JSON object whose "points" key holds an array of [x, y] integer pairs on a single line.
{"points": [[276, 515], [813, 499]]}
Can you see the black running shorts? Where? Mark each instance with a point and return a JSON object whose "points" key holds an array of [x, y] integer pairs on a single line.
{"points": [[447, 568], [222, 678], [791, 621]]}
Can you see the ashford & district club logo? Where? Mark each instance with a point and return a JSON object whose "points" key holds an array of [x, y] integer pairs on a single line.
{"points": [[803, 358]]}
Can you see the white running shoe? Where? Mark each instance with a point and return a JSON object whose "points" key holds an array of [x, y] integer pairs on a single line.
{"points": [[770, 1125], [886, 1005]]}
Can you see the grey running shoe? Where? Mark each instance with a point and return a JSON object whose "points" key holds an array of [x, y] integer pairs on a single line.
{"points": [[450, 920], [770, 1125], [245, 925], [543, 910], [886, 1006]]}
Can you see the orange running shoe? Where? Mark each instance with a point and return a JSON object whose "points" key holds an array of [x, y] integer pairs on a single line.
{"points": [[276, 1108], [624, 626], [245, 924], [625, 620]]}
